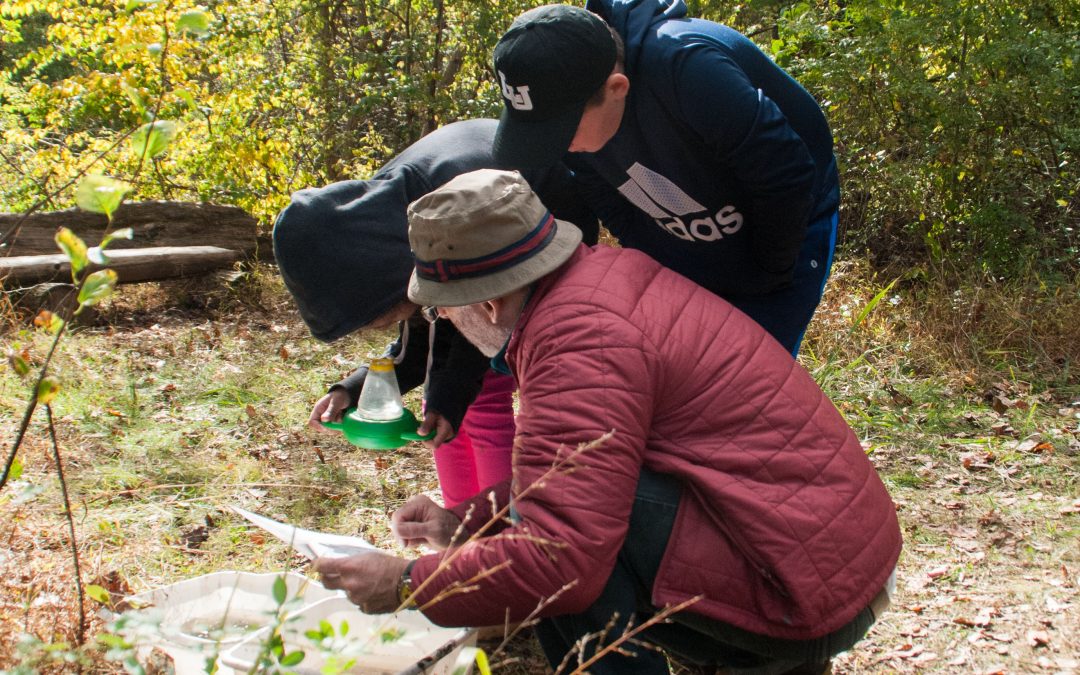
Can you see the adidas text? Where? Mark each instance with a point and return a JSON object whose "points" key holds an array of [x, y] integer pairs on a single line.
{"points": [[726, 221]]}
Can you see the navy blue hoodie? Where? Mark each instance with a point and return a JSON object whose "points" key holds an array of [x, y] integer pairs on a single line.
{"points": [[722, 159], [343, 252]]}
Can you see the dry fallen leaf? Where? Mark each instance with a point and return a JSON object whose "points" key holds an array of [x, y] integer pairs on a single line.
{"points": [[977, 460], [981, 621], [938, 572], [1038, 638], [967, 545], [1001, 404], [906, 651], [1034, 445], [1002, 429]]}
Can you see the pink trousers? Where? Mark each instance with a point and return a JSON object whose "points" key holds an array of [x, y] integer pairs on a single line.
{"points": [[479, 456]]}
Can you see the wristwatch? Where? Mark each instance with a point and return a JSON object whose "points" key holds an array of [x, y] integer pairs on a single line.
{"points": [[404, 589]]}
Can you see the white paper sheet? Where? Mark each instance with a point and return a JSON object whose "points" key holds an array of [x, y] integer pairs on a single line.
{"points": [[309, 543]]}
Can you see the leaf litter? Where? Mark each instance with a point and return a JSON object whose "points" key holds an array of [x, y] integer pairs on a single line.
{"points": [[988, 500]]}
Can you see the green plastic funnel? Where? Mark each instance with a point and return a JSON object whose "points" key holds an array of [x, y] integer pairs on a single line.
{"points": [[378, 434], [379, 421]]}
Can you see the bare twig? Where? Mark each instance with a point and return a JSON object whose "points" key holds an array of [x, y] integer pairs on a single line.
{"points": [[81, 634], [531, 619], [467, 586], [562, 461], [164, 86], [459, 587], [632, 634]]}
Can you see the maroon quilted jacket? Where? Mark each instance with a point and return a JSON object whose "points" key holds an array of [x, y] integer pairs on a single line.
{"points": [[784, 526]]}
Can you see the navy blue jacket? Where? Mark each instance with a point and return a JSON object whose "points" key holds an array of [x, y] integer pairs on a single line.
{"points": [[343, 251], [722, 159]]}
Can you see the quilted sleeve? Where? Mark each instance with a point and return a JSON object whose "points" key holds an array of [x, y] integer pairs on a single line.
{"points": [[588, 375]]}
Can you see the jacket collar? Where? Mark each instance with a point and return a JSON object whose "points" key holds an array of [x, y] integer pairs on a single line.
{"points": [[536, 298]]}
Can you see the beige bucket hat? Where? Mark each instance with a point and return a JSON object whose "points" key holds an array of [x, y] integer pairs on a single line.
{"points": [[483, 235]]}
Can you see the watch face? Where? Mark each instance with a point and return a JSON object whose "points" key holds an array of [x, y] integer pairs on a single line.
{"points": [[405, 590]]}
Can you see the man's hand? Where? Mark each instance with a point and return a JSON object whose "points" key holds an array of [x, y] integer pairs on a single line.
{"points": [[328, 409], [370, 580], [444, 431], [422, 521]]}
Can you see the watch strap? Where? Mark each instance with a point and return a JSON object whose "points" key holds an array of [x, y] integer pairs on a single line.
{"points": [[404, 589]]}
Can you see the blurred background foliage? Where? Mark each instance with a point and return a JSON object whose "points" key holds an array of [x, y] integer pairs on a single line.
{"points": [[956, 120]]}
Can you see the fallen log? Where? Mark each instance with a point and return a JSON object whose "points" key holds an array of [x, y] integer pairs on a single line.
{"points": [[154, 223], [131, 265]]}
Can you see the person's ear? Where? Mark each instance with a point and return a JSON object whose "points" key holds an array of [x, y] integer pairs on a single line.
{"points": [[491, 309], [617, 85], [498, 310]]}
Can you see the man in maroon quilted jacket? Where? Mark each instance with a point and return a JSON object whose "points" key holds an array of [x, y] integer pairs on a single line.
{"points": [[726, 494]]}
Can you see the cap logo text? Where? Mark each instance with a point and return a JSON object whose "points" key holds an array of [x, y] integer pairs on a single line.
{"points": [[518, 97]]}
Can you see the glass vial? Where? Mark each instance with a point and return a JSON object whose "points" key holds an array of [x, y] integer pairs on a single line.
{"points": [[380, 399]]}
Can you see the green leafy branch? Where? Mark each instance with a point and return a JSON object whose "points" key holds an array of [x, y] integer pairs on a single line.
{"points": [[99, 194], [104, 196], [272, 654]]}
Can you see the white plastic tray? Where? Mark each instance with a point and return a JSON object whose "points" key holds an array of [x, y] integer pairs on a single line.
{"points": [[210, 613], [385, 644]]}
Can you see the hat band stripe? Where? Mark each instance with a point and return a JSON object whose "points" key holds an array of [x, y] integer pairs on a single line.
{"points": [[520, 251]]}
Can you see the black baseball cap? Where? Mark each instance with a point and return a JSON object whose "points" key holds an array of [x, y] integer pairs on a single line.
{"points": [[549, 64]]}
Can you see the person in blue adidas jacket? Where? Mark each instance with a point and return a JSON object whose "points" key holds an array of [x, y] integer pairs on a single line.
{"points": [[689, 142]]}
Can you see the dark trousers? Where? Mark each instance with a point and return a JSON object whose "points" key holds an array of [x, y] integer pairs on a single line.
{"points": [[626, 602], [786, 313]]}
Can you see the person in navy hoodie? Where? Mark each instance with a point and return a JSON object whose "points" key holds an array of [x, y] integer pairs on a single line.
{"points": [[343, 252], [690, 143]]}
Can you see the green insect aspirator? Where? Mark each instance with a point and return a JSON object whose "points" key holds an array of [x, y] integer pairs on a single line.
{"points": [[379, 421]]}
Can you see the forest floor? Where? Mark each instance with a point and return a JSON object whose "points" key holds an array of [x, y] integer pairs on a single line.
{"points": [[178, 402]]}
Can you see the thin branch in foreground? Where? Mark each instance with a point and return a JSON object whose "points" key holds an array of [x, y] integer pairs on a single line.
{"points": [[43, 372], [561, 462], [632, 634], [458, 587], [531, 619], [452, 553], [81, 634]]}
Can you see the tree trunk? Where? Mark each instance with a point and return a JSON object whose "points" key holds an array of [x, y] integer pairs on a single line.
{"points": [[130, 265], [156, 223]]}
